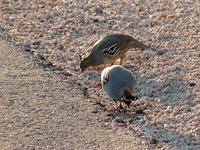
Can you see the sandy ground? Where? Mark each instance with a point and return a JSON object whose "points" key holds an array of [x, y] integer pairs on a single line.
{"points": [[38, 111], [55, 32]]}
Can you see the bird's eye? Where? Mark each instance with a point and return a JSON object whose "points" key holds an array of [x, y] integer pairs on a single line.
{"points": [[105, 79]]}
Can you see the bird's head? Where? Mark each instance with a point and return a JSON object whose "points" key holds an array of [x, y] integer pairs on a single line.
{"points": [[85, 63]]}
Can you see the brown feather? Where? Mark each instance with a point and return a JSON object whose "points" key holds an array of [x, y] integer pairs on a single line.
{"points": [[128, 97]]}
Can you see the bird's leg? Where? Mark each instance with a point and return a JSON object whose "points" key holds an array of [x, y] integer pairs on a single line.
{"points": [[127, 103], [121, 59], [120, 106], [115, 103]]}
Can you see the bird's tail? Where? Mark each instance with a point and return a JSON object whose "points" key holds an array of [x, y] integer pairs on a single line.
{"points": [[138, 44], [131, 97], [128, 96]]}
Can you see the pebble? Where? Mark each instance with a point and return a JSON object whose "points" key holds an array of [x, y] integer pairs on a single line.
{"points": [[161, 52], [118, 120], [61, 47], [85, 92], [139, 111], [186, 108], [162, 15], [131, 25], [153, 141], [27, 47], [99, 10], [192, 84], [168, 89], [39, 56], [37, 43], [47, 64]]}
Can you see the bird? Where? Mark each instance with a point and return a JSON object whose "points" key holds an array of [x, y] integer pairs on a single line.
{"points": [[119, 82], [108, 50]]}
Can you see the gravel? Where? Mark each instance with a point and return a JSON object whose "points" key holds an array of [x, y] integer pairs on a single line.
{"points": [[57, 31]]}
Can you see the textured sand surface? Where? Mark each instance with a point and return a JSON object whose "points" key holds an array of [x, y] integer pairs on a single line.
{"points": [[38, 111], [55, 32]]}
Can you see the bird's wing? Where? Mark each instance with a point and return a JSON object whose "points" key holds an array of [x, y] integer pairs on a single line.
{"points": [[111, 50], [137, 44]]}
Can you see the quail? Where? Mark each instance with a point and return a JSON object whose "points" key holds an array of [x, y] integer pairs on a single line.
{"points": [[119, 82], [108, 50]]}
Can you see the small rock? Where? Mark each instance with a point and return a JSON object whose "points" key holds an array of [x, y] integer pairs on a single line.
{"points": [[131, 25], [162, 15], [168, 89], [160, 52], [197, 130], [70, 59], [146, 55], [131, 120], [99, 10], [178, 68], [95, 20], [61, 47], [110, 114], [173, 16], [55, 42], [67, 74], [39, 56], [27, 48], [143, 142], [41, 35], [140, 8], [36, 94], [164, 37], [47, 64], [168, 109], [85, 92], [143, 24], [192, 84], [37, 43], [153, 141], [186, 108], [151, 95], [94, 111], [175, 112], [118, 120], [139, 111]]}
